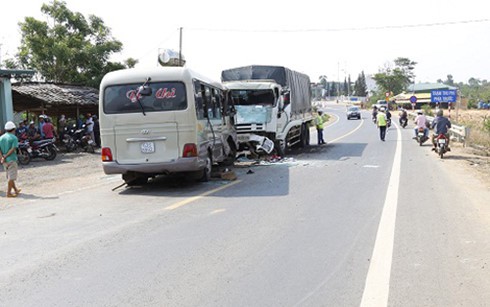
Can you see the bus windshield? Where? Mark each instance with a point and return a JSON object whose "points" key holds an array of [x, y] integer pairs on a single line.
{"points": [[165, 96]]}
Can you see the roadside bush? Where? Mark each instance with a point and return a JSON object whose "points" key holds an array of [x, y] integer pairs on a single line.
{"points": [[427, 110], [486, 124]]}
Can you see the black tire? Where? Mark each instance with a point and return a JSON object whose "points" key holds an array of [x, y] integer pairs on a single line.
{"points": [[281, 148], [51, 153], [89, 148], [305, 136], [231, 157], [421, 141], [23, 157], [71, 146], [206, 172], [441, 153]]}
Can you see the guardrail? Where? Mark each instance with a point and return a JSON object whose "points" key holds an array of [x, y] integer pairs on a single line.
{"points": [[460, 133]]}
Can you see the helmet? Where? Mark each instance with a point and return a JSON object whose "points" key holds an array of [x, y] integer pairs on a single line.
{"points": [[382, 109], [9, 126], [440, 112], [420, 112]]}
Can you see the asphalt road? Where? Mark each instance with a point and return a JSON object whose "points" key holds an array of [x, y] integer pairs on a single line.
{"points": [[354, 222]]}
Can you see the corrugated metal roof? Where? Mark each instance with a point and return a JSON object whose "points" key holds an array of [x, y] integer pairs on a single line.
{"points": [[58, 94], [427, 87]]}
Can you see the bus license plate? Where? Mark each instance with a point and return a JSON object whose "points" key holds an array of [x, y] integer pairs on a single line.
{"points": [[147, 147]]}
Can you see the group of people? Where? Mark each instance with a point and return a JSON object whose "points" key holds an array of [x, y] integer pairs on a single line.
{"points": [[9, 142], [45, 128], [440, 124]]}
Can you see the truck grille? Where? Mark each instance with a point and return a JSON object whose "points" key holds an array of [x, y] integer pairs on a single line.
{"points": [[242, 128]]}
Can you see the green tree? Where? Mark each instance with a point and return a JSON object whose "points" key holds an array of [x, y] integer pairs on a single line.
{"points": [[396, 79], [360, 87], [349, 86], [67, 47], [345, 87], [323, 81]]}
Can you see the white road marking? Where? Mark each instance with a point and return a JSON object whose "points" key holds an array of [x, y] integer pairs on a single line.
{"points": [[377, 288], [347, 134], [370, 166], [336, 121]]}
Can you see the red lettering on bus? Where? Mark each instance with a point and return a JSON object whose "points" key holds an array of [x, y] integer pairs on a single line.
{"points": [[164, 93]]}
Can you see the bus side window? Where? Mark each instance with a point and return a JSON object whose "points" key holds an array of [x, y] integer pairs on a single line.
{"points": [[199, 101], [208, 104], [217, 103]]}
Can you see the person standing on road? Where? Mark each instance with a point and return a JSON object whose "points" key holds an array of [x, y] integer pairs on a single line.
{"points": [[381, 122], [89, 124], [48, 129], [319, 127], [8, 152], [96, 130]]}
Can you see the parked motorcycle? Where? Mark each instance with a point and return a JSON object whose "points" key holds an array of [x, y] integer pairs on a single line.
{"points": [[421, 137], [74, 138], [442, 145], [45, 149]]}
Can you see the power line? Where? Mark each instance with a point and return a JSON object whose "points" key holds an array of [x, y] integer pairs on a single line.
{"points": [[386, 27]]}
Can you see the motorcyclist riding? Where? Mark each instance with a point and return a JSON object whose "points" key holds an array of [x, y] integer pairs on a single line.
{"points": [[375, 113], [421, 122], [403, 116], [442, 125]]}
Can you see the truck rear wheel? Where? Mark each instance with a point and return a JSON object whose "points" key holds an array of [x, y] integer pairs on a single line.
{"points": [[305, 136]]}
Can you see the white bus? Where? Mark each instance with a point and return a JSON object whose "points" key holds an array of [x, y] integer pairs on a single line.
{"points": [[164, 120]]}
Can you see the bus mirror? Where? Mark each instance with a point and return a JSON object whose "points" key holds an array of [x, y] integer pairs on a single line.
{"points": [[144, 90]]}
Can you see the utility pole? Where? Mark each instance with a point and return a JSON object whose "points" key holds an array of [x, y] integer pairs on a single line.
{"points": [[180, 47]]}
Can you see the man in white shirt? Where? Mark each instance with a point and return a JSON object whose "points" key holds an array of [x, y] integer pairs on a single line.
{"points": [[421, 122], [89, 124]]}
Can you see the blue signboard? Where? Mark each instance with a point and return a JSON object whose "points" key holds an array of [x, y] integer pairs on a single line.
{"points": [[439, 96], [413, 99]]}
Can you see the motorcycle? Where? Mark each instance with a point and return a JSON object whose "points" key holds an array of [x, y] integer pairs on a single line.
{"points": [[403, 122], [39, 149], [441, 145], [421, 137], [74, 138]]}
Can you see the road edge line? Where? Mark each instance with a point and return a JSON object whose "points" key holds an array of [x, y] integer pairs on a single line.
{"points": [[377, 286]]}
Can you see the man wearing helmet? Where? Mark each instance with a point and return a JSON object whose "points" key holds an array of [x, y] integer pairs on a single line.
{"points": [[421, 122], [8, 153], [381, 122], [441, 125]]}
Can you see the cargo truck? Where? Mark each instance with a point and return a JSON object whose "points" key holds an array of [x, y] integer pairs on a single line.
{"points": [[273, 107]]}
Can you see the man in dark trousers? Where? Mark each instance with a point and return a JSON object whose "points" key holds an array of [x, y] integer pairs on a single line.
{"points": [[381, 122]]}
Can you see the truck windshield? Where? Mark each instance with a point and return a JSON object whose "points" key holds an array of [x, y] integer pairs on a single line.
{"points": [[253, 97], [165, 96]]}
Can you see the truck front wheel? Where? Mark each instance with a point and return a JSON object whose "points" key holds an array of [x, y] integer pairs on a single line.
{"points": [[281, 147]]}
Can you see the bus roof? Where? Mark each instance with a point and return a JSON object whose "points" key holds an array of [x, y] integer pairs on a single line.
{"points": [[135, 75]]}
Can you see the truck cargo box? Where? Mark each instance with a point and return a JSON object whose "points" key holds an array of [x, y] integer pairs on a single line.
{"points": [[298, 83]]}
